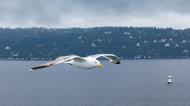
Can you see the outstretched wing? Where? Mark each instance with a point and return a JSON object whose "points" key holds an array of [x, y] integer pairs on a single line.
{"points": [[62, 59], [111, 57]]}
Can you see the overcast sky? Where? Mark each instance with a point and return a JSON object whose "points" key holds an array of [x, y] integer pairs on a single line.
{"points": [[90, 13]]}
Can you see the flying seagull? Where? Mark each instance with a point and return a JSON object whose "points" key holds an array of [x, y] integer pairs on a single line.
{"points": [[88, 62]]}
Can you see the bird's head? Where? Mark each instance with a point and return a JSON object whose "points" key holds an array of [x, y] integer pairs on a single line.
{"points": [[98, 64]]}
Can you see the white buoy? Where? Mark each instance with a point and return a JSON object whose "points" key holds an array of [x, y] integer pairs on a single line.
{"points": [[169, 78]]}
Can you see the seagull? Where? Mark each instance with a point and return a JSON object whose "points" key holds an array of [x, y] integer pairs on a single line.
{"points": [[88, 62]]}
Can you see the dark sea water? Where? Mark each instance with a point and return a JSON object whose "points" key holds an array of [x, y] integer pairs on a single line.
{"points": [[133, 83]]}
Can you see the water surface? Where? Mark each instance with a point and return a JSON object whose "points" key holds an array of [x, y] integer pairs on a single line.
{"points": [[133, 83]]}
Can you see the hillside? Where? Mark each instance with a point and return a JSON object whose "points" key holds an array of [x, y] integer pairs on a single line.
{"points": [[126, 42]]}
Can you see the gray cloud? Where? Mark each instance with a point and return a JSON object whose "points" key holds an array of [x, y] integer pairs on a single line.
{"points": [[87, 13]]}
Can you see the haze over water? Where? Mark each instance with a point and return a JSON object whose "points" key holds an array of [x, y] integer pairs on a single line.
{"points": [[132, 83]]}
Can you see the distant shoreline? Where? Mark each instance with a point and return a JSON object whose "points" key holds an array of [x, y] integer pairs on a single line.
{"points": [[42, 59], [125, 42]]}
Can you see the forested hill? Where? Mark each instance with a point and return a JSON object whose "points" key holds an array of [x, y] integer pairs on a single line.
{"points": [[126, 42]]}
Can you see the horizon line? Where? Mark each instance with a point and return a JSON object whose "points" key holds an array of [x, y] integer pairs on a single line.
{"points": [[73, 27]]}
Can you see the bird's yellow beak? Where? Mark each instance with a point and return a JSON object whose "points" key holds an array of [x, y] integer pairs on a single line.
{"points": [[101, 66]]}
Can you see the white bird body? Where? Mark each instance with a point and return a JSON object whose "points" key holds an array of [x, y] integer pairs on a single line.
{"points": [[88, 62]]}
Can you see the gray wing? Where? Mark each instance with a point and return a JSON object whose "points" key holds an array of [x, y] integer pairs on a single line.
{"points": [[62, 59], [111, 57]]}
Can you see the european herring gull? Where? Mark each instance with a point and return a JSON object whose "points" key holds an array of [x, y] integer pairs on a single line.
{"points": [[88, 62]]}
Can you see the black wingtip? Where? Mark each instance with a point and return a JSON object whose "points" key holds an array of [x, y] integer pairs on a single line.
{"points": [[39, 67], [118, 62]]}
